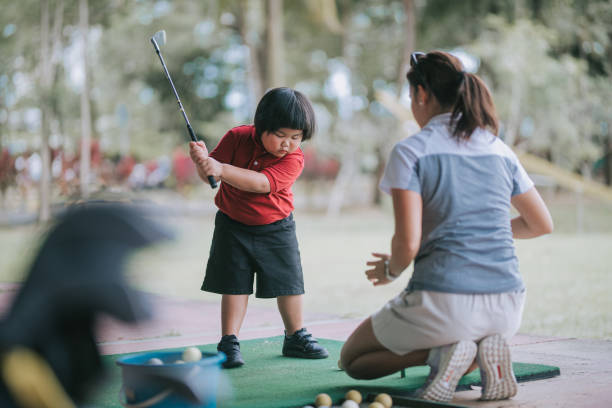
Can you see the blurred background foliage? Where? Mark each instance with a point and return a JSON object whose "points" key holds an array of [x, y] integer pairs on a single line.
{"points": [[86, 112], [77, 72]]}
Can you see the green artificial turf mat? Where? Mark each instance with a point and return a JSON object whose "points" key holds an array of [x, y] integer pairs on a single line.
{"points": [[270, 380]]}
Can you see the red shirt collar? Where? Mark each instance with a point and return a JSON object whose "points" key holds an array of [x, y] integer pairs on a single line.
{"points": [[256, 139]]}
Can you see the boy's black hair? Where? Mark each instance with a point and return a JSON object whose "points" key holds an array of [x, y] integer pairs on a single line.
{"points": [[285, 108]]}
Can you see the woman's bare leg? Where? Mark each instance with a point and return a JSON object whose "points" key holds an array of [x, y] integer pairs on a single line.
{"points": [[363, 357]]}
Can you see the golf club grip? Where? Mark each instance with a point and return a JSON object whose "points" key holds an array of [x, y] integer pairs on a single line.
{"points": [[211, 179], [191, 132], [212, 182]]}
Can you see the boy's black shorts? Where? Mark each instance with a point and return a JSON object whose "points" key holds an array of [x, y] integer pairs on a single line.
{"points": [[240, 252]]}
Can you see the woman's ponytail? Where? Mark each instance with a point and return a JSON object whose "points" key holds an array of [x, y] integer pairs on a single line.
{"points": [[474, 108], [462, 93]]}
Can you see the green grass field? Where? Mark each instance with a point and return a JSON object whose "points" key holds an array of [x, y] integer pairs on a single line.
{"points": [[568, 274]]}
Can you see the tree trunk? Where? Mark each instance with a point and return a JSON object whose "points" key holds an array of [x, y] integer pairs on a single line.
{"points": [[349, 156], [329, 14], [56, 59], [85, 103], [275, 44], [44, 186], [511, 135], [255, 79], [347, 171], [608, 162], [378, 173], [49, 58], [409, 43]]}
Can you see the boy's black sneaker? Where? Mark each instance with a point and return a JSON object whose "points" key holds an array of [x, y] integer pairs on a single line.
{"points": [[231, 347], [301, 344]]}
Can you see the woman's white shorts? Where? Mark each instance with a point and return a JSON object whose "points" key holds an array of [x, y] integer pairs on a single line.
{"points": [[420, 320]]}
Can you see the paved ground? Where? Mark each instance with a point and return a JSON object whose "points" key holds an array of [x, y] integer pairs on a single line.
{"points": [[586, 365]]}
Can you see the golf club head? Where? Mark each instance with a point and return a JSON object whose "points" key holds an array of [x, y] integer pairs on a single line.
{"points": [[160, 37]]}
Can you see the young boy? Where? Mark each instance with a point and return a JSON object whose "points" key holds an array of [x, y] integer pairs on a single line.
{"points": [[254, 234]]}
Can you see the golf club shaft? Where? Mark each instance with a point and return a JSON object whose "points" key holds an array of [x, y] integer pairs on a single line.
{"points": [[211, 179]]}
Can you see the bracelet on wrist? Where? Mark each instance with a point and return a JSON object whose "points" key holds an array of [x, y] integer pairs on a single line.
{"points": [[388, 275]]}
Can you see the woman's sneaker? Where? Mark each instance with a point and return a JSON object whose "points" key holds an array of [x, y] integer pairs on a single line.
{"points": [[495, 363], [231, 347], [433, 361], [301, 344], [454, 360]]}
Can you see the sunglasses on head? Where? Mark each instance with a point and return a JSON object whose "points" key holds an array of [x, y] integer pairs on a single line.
{"points": [[415, 57], [414, 60]]}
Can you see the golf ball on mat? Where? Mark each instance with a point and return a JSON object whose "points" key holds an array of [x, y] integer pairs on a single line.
{"points": [[155, 361], [376, 405], [350, 404], [323, 400], [353, 395], [192, 354], [384, 399]]}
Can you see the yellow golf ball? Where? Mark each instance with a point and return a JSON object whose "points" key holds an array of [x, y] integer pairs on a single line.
{"points": [[323, 400], [376, 405], [384, 399], [353, 395]]}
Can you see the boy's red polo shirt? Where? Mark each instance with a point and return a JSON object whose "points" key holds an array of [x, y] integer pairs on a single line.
{"points": [[240, 147]]}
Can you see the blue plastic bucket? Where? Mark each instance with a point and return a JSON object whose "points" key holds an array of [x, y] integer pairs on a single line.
{"points": [[172, 384]]}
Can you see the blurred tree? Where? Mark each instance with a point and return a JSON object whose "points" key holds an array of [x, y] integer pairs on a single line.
{"points": [[548, 63], [207, 62], [10, 48], [545, 61], [247, 16], [548, 104], [409, 38], [275, 44], [50, 40], [584, 31], [85, 102], [341, 68]]}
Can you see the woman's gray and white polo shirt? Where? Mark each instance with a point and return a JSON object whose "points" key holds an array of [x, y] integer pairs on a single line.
{"points": [[466, 187]]}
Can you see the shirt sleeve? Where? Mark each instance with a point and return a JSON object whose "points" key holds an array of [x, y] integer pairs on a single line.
{"points": [[224, 151], [521, 182], [283, 173], [401, 170]]}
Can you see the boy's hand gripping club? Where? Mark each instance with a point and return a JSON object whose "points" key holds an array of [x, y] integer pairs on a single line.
{"points": [[159, 38]]}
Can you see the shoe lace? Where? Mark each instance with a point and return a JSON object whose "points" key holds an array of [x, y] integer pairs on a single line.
{"points": [[229, 345]]}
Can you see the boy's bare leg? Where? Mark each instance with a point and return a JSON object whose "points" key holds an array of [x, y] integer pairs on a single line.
{"points": [[290, 308], [233, 310]]}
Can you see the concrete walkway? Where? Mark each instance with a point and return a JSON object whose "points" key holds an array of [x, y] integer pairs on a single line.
{"points": [[586, 365]]}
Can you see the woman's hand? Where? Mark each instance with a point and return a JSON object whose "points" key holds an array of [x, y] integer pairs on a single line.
{"points": [[376, 275]]}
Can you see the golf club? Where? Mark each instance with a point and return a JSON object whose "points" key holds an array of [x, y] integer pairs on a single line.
{"points": [[158, 39]]}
